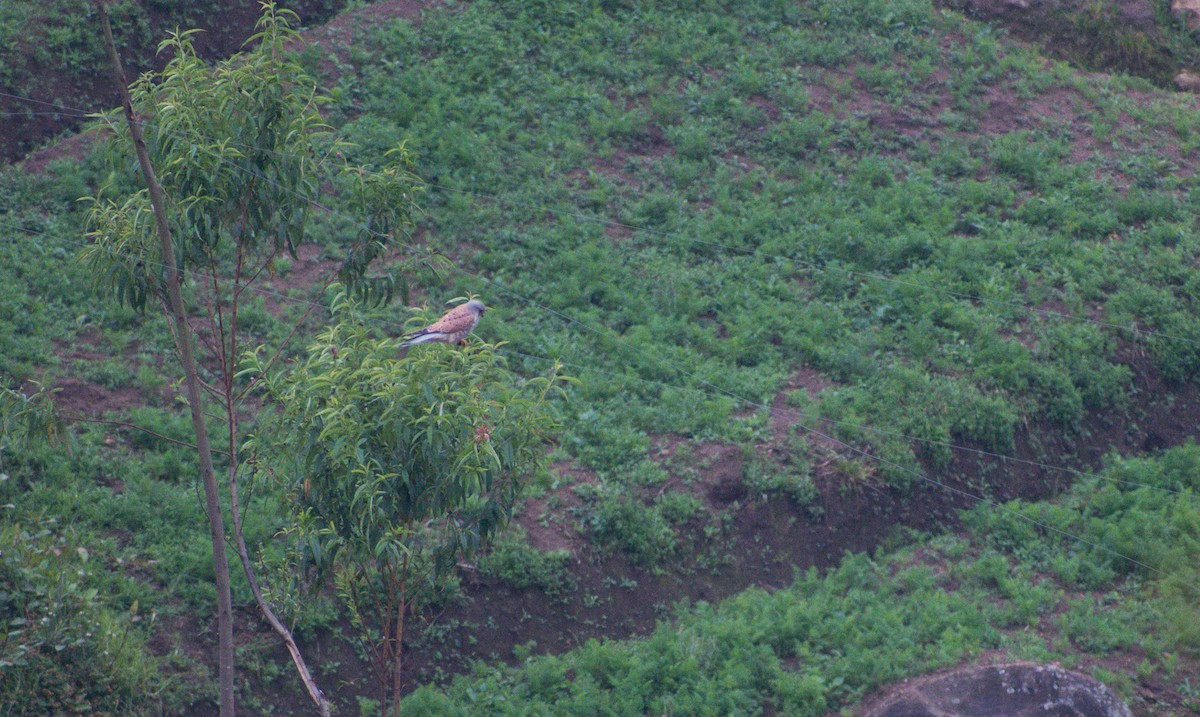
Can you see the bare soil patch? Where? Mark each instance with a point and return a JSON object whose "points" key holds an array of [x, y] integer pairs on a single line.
{"points": [[545, 519], [86, 398], [309, 270]]}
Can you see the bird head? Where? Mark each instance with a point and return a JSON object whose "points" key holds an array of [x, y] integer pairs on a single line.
{"points": [[476, 306]]}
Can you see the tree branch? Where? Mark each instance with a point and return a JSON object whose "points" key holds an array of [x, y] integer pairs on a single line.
{"points": [[278, 352]]}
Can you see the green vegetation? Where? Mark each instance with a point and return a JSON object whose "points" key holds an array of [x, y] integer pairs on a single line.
{"points": [[53, 52], [394, 471], [954, 286], [824, 642], [60, 643], [512, 560], [692, 207]]}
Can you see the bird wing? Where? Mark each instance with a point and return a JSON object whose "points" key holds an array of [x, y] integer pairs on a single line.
{"points": [[458, 319]]}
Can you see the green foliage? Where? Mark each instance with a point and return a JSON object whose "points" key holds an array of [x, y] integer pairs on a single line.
{"points": [[44, 297], [1139, 518], [519, 564], [237, 149], [62, 650], [438, 440], [825, 641], [396, 468], [1096, 627], [110, 373], [1107, 516], [793, 480], [27, 419], [619, 522]]}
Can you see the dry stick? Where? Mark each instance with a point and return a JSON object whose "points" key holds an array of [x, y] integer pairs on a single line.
{"points": [[216, 521], [235, 511], [282, 630]]}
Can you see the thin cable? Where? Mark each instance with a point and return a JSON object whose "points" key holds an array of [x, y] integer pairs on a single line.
{"points": [[42, 114], [819, 267], [81, 112], [570, 319], [877, 431], [919, 475], [1136, 332], [620, 341], [796, 416]]}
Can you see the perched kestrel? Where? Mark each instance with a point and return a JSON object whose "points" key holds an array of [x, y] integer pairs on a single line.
{"points": [[453, 327]]}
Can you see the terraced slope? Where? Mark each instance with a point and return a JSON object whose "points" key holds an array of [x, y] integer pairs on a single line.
{"points": [[824, 271]]}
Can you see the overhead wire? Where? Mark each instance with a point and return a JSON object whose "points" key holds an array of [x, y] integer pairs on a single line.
{"points": [[1135, 331], [729, 394], [979, 499], [816, 266], [784, 411], [529, 300]]}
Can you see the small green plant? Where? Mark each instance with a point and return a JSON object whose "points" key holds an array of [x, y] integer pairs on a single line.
{"points": [[522, 566], [111, 373], [621, 523], [368, 707], [1191, 693], [61, 648], [793, 480]]}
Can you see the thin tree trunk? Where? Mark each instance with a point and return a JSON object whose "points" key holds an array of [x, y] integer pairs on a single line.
{"points": [[398, 659], [398, 650], [183, 334], [282, 630]]}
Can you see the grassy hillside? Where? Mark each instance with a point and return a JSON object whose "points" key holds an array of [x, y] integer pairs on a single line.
{"points": [[52, 53], [941, 239], [1004, 589], [823, 270]]}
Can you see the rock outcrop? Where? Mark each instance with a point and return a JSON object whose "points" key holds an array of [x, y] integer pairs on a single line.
{"points": [[1013, 690]]}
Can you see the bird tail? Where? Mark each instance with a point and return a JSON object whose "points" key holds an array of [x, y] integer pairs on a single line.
{"points": [[419, 339]]}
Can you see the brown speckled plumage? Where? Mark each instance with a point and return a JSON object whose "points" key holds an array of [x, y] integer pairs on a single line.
{"points": [[455, 325]]}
